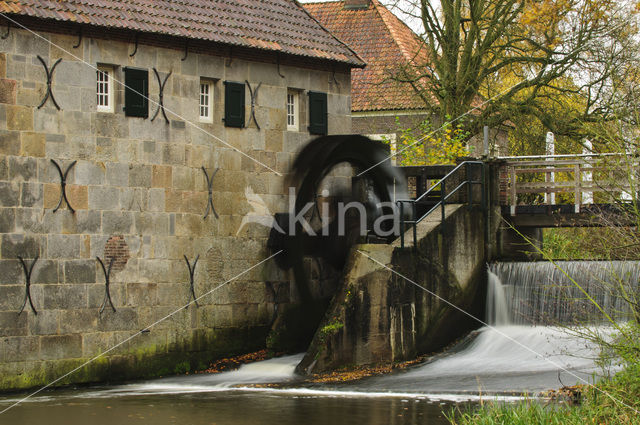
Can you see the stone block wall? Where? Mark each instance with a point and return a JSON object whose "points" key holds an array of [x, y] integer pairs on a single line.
{"points": [[139, 196]]}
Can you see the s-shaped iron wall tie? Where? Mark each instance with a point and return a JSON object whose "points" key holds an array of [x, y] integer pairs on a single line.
{"points": [[49, 73], [63, 185], [107, 283], [27, 284], [192, 270], [254, 97], [161, 85], [210, 190]]}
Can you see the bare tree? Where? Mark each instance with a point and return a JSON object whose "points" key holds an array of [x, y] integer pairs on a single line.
{"points": [[522, 57]]}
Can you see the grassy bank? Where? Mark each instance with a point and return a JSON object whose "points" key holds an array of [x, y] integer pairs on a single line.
{"points": [[595, 406]]}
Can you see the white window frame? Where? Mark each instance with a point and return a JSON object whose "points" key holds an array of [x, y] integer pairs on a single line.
{"points": [[108, 71], [293, 110], [209, 84]]}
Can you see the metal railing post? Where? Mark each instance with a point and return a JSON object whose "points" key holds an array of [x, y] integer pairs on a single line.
{"points": [[443, 200], [578, 188], [513, 191], [469, 186], [415, 228], [401, 224], [483, 186]]}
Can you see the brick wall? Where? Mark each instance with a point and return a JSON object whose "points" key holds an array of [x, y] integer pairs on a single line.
{"points": [[385, 124], [139, 194], [388, 124]]}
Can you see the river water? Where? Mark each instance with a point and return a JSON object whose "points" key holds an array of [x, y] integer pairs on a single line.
{"points": [[503, 362]]}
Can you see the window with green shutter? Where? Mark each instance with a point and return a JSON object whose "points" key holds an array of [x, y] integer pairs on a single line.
{"points": [[317, 113], [233, 104], [136, 92]]}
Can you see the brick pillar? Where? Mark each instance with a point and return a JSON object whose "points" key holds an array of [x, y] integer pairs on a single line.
{"points": [[503, 185]]}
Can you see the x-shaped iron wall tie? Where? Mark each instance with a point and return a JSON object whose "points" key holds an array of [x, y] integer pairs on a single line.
{"points": [[107, 283], [161, 85], [192, 270], [63, 185], [210, 190], [49, 72], [27, 284], [254, 98]]}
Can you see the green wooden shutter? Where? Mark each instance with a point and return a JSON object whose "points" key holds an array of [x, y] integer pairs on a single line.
{"points": [[233, 104], [136, 92], [317, 113]]}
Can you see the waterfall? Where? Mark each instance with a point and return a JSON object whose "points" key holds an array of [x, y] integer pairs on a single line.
{"points": [[497, 307], [541, 293], [510, 354]]}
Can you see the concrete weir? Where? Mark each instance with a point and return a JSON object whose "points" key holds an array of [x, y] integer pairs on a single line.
{"points": [[380, 315]]}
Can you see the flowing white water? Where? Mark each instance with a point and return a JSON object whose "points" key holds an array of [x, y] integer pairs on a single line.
{"points": [[276, 370], [541, 293], [497, 308], [514, 355]]}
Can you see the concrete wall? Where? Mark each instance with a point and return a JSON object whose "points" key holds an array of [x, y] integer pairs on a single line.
{"points": [[139, 194], [377, 317]]}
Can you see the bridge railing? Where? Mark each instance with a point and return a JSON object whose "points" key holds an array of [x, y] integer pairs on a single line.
{"points": [[438, 196], [580, 176]]}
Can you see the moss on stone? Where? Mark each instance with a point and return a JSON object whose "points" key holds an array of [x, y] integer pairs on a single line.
{"points": [[144, 361]]}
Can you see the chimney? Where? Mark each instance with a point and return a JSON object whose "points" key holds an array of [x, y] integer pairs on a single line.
{"points": [[356, 4]]}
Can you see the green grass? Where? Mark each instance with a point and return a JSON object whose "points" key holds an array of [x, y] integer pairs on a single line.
{"points": [[596, 406]]}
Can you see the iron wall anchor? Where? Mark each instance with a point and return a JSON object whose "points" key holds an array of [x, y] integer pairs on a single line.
{"points": [[210, 190], [161, 85], [27, 284], [79, 39], [49, 72], [63, 185], [192, 270], [228, 64], [278, 62], [135, 49], [186, 51], [254, 98], [107, 283]]}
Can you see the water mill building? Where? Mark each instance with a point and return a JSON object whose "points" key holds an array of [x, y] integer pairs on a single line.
{"points": [[134, 138]]}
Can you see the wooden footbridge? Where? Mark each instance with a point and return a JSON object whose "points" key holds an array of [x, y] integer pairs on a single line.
{"points": [[567, 190], [529, 192]]}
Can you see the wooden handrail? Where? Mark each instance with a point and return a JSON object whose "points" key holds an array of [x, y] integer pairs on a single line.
{"points": [[578, 170]]}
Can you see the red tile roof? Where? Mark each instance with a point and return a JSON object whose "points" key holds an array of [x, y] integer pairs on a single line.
{"points": [[383, 41], [278, 25]]}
